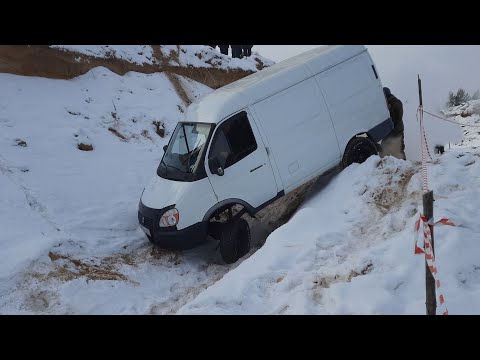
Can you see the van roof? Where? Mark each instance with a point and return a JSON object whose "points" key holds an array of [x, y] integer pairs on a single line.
{"points": [[239, 94]]}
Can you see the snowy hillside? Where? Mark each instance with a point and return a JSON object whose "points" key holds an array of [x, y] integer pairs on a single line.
{"points": [[71, 243], [198, 56], [350, 250], [468, 114], [69, 237]]}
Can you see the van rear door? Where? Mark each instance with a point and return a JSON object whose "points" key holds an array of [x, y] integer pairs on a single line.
{"points": [[246, 172]]}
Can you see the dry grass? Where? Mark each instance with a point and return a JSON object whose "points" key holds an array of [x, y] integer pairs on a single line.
{"points": [[146, 134], [327, 281], [324, 282], [67, 268], [177, 85], [159, 128], [103, 271], [85, 147], [174, 55], [116, 133], [392, 192]]}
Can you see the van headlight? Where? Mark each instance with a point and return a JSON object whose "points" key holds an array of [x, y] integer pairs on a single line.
{"points": [[170, 218]]}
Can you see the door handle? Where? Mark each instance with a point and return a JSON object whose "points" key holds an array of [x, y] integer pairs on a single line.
{"points": [[258, 167]]}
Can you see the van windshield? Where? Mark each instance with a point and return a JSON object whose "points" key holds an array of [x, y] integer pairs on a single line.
{"points": [[184, 152]]}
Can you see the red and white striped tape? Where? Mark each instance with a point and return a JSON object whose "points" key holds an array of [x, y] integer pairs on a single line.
{"points": [[426, 249]]}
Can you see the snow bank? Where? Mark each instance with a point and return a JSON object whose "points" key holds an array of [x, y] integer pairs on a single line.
{"points": [[199, 56], [350, 249], [137, 54]]}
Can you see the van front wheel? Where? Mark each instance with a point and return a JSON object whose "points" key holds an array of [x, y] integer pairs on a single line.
{"points": [[235, 240], [358, 150]]}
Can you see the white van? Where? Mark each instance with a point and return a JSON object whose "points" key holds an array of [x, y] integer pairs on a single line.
{"points": [[253, 141]]}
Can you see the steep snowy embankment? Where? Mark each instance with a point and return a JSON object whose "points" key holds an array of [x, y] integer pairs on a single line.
{"points": [[349, 250]]}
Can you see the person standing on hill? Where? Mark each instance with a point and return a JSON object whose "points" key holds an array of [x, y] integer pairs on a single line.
{"points": [[247, 50], [394, 143], [223, 49], [236, 51]]}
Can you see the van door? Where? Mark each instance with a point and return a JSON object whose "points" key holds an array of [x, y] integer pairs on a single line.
{"points": [[297, 124], [354, 96], [246, 173]]}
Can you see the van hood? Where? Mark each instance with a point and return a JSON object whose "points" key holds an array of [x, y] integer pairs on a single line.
{"points": [[160, 192]]}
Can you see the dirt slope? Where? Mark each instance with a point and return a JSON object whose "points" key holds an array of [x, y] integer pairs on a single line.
{"points": [[44, 61]]}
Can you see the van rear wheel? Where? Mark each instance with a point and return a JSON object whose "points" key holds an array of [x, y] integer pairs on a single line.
{"points": [[358, 150], [235, 240]]}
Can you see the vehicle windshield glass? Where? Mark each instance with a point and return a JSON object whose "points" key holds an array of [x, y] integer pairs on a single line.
{"points": [[182, 157]]}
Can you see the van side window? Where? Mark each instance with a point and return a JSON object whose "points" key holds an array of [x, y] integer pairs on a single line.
{"points": [[234, 140]]}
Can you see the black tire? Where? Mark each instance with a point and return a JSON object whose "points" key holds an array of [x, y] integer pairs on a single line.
{"points": [[358, 150], [235, 241], [244, 240]]}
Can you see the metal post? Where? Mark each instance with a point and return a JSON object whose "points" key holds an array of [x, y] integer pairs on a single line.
{"points": [[431, 301], [420, 91], [430, 297]]}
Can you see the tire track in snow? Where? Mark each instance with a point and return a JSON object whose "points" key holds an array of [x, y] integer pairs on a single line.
{"points": [[30, 198], [349, 252], [39, 287]]}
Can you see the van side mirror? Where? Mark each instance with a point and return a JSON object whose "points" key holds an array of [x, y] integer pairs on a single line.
{"points": [[215, 166], [165, 148]]}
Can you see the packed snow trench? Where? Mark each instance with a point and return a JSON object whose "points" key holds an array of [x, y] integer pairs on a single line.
{"points": [[70, 241]]}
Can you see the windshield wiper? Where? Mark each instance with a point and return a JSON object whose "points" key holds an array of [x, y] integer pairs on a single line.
{"points": [[185, 136]]}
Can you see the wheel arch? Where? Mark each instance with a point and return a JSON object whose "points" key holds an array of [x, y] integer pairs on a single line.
{"points": [[225, 204], [357, 136]]}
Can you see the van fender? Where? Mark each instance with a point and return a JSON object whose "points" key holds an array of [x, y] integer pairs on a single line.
{"points": [[380, 131], [224, 204]]}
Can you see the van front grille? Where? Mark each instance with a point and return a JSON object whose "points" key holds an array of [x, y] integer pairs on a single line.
{"points": [[145, 221]]}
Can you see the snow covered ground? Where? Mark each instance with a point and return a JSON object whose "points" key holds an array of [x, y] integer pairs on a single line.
{"points": [[69, 237], [350, 249], [70, 242]]}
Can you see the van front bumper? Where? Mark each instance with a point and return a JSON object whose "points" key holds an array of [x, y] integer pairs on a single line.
{"points": [[171, 237]]}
